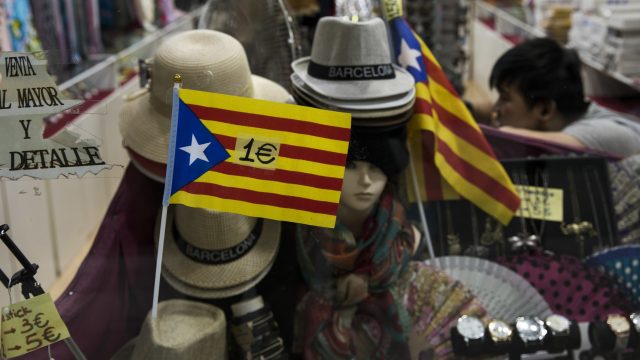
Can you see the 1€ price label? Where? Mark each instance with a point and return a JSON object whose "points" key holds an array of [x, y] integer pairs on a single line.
{"points": [[30, 325]]}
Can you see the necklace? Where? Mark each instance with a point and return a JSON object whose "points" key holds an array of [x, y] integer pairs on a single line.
{"points": [[524, 240], [579, 228], [453, 239]]}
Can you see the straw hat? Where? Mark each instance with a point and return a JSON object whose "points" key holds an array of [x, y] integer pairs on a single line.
{"points": [[211, 254], [183, 329], [352, 61], [207, 60]]}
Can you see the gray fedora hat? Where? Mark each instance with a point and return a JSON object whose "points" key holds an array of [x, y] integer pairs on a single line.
{"points": [[352, 61]]}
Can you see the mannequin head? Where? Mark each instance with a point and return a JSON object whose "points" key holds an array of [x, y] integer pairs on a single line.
{"points": [[362, 186]]}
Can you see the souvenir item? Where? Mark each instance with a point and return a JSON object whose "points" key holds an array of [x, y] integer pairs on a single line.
{"points": [[559, 328], [350, 309], [622, 264], [531, 331], [183, 329], [500, 334], [571, 288], [471, 330], [210, 254], [207, 60], [502, 292], [620, 327], [255, 330], [435, 302], [625, 190], [338, 69]]}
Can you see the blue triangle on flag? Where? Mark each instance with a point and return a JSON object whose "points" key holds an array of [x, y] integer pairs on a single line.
{"points": [[400, 30], [188, 167]]}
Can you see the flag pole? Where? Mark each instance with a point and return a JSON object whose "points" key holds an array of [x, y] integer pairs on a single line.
{"points": [[423, 218], [177, 81]]}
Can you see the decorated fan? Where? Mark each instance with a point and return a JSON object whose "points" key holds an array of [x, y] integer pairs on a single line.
{"points": [[569, 286], [621, 263], [434, 301], [504, 294]]}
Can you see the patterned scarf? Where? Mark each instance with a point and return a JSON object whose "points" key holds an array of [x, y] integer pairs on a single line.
{"points": [[350, 311]]}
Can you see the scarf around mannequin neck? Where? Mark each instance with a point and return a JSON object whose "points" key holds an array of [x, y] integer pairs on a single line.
{"points": [[350, 310]]}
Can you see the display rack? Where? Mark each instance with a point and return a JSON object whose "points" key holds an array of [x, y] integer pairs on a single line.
{"points": [[598, 76], [105, 73]]}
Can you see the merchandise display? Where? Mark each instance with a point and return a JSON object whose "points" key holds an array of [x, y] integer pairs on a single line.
{"points": [[504, 293], [377, 219]]}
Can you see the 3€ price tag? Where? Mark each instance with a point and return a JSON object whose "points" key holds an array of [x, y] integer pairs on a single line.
{"points": [[30, 325]]}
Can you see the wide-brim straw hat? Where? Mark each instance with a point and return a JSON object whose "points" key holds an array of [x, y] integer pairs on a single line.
{"points": [[207, 60], [211, 254], [183, 329], [352, 61]]}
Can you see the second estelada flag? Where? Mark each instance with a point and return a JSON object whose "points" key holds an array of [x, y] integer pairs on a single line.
{"points": [[258, 158]]}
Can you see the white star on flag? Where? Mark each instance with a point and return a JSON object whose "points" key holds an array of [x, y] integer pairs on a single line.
{"points": [[195, 150], [408, 56]]}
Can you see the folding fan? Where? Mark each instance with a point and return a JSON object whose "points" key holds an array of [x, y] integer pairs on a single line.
{"points": [[434, 301], [504, 294], [621, 263], [570, 287]]}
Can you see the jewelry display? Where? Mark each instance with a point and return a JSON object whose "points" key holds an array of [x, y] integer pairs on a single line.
{"points": [[580, 229], [524, 240], [528, 334], [531, 332], [477, 249], [453, 239], [500, 335]]}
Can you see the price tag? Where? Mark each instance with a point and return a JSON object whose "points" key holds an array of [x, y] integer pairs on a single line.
{"points": [[30, 325], [540, 203]]}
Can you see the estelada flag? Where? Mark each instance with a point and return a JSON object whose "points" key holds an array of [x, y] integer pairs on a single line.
{"points": [[257, 158], [448, 149]]}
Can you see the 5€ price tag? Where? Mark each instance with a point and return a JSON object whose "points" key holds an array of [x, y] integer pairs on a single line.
{"points": [[30, 325], [540, 203]]}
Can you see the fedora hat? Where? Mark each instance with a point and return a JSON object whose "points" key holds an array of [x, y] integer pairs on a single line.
{"points": [[211, 254], [352, 61], [381, 106], [183, 329], [207, 60], [339, 106]]}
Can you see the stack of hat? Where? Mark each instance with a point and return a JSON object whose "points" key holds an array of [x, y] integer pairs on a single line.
{"points": [[207, 60], [350, 69]]}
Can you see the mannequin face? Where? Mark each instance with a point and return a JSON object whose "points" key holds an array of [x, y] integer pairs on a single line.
{"points": [[362, 186]]}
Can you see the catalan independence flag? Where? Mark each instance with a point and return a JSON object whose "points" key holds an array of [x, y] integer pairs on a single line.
{"points": [[449, 151], [257, 158]]}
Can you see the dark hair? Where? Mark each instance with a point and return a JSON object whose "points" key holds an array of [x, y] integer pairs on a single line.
{"points": [[386, 150], [542, 70]]}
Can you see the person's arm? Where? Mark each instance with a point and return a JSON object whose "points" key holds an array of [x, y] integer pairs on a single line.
{"points": [[554, 136]]}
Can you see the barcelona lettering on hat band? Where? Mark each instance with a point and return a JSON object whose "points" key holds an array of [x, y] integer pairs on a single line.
{"points": [[218, 256], [351, 72]]}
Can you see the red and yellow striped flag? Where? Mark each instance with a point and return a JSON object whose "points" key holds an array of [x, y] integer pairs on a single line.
{"points": [[259, 158], [449, 151]]}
